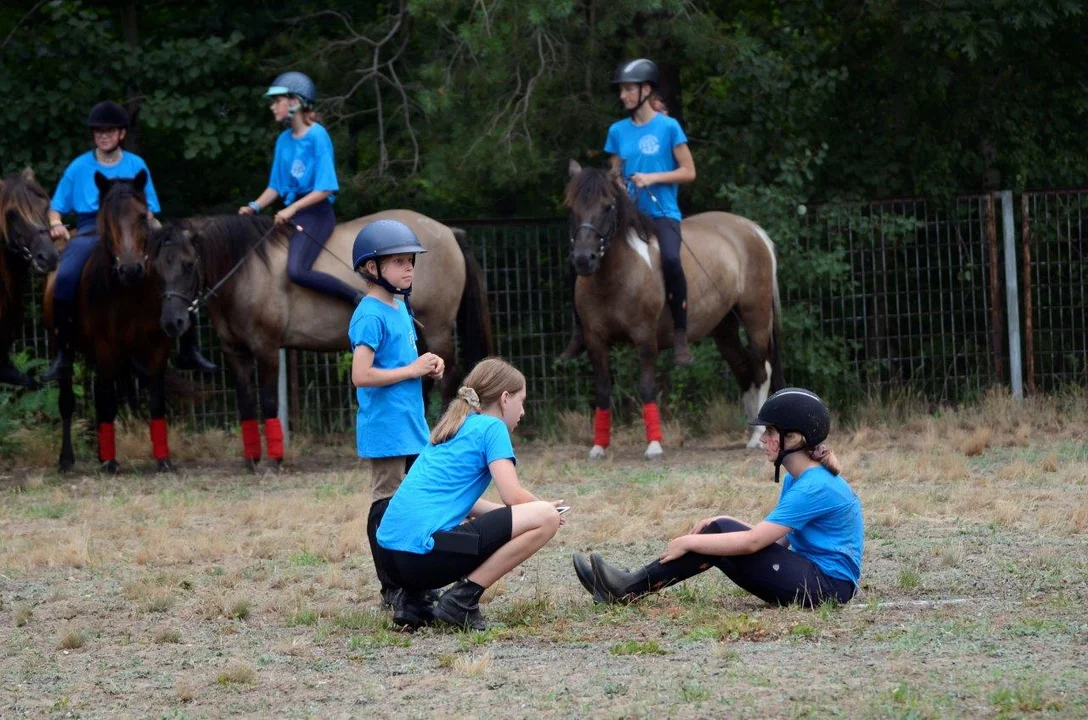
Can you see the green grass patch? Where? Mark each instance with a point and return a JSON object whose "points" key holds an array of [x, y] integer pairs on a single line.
{"points": [[303, 616], [638, 647], [48, 511], [307, 559], [380, 639]]}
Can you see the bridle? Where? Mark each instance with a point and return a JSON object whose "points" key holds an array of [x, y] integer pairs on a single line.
{"points": [[604, 238]]}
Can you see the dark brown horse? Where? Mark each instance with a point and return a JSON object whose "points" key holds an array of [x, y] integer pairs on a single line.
{"points": [[730, 266], [118, 307], [258, 310], [25, 246]]}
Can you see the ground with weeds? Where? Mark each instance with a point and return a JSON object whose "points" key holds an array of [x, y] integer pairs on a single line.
{"points": [[213, 592]]}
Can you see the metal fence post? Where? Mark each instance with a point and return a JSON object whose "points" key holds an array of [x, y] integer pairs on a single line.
{"points": [[1012, 297], [281, 391]]}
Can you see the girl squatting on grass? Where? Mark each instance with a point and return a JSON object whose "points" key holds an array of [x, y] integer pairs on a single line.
{"points": [[806, 551], [438, 530]]}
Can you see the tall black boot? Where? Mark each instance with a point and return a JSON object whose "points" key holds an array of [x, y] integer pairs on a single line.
{"points": [[64, 322], [373, 520], [615, 585], [189, 356], [676, 292], [460, 606]]}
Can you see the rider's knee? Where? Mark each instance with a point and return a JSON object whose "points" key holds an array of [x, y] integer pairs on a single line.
{"points": [[672, 266]]}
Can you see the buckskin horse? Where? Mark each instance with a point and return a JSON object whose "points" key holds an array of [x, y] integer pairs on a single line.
{"points": [[118, 321], [256, 309], [730, 266], [25, 246]]}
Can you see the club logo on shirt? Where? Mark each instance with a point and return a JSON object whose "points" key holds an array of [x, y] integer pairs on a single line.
{"points": [[298, 169], [648, 145]]}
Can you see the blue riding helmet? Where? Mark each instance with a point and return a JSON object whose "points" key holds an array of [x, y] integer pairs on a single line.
{"points": [[381, 238], [294, 83]]}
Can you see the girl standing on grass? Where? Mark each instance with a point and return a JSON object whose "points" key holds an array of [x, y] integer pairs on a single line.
{"points": [[438, 530], [806, 551]]}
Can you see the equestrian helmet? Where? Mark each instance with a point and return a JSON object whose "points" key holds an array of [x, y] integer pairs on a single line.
{"points": [[108, 114], [381, 238], [637, 71], [796, 410], [294, 83]]}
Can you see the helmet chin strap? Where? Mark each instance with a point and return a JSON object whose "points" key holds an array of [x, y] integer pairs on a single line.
{"points": [[641, 101], [782, 453], [383, 283]]}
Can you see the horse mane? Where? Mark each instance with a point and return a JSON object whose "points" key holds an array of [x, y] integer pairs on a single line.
{"points": [[98, 275], [224, 239], [18, 192], [593, 187]]}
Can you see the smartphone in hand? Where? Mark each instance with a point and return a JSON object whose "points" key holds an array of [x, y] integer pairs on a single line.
{"points": [[562, 509]]}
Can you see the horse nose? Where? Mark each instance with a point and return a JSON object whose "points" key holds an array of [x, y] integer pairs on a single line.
{"points": [[175, 326], [45, 260], [131, 273]]}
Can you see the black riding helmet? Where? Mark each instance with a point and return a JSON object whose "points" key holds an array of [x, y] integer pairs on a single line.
{"points": [[795, 410], [108, 114], [638, 72]]}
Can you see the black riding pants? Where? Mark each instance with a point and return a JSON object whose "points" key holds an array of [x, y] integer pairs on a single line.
{"points": [[676, 285], [318, 222]]}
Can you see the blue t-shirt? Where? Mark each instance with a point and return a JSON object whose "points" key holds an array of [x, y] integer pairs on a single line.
{"points": [[825, 519], [391, 421], [303, 165], [648, 149], [443, 484], [76, 191]]}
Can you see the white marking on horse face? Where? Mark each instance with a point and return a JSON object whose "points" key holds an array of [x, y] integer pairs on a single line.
{"points": [[654, 451], [596, 452], [640, 247]]}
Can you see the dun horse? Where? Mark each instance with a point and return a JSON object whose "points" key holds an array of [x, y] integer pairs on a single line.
{"points": [[25, 246], [118, 321], [258, 310], [730, 266]]}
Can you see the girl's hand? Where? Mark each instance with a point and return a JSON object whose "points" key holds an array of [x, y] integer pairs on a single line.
{"points": [[698, 527], [562, 519], [642, 179], [284, 216], [245, 210], [58, 232], [440, 370], [426, 364], [676, 548]]}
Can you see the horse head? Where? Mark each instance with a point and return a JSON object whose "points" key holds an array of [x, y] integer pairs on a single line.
{"points": [[24, 221], [123, 224], [175, 258]]}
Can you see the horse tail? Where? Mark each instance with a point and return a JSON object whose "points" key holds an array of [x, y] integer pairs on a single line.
{"points": [[473, 314], [778, 379]]}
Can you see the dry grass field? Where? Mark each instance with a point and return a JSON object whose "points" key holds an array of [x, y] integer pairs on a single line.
{"points": [[215, 593]]}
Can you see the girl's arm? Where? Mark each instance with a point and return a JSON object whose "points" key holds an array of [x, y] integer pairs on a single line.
{"points": [[364, 374], [311, 198], [483, 507], [266, 198], [683, 174], [745, 542], [506, 480]]}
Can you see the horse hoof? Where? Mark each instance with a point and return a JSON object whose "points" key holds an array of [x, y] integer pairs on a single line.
{"points": [[165, 466], [251, 464], [66, 465], [654, 451], [110, 467], [596, 452], [274, 467]]}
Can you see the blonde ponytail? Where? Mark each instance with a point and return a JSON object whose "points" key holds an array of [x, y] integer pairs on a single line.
{"points": [[826, 457], [483, 387]]}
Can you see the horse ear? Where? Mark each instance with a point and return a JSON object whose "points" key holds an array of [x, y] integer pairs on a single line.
{"points": [[140, 181], [28, 174], [101, 182], [573, 168]]}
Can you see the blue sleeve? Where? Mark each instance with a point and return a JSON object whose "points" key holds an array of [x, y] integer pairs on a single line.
{"points": [[149, 190], [497, 444], [612, 142], [797, 508], [678, 136], [366, 330], [62, 196], [276, 179], [325, 160]]}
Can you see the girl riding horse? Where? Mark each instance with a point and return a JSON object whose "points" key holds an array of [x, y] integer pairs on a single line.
{"points": [[304, 175], [77, 192]]}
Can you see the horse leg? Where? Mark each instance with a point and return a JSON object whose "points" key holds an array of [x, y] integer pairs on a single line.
{"points": [[66, 402], [602, 399], [268, 369], [160, 446], [651, 417], [753, 376], [105, 409], [241, 362]]}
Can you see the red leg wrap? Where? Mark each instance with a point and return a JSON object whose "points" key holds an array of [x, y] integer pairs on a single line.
{"points": [[273, 434], [651, 418], [160, 448], [107, 442], [251, 440], [602, 427]]}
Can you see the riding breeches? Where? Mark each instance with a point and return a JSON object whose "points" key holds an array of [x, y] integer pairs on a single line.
{"points": [[70, 269], [317, 222], [676, 285]]}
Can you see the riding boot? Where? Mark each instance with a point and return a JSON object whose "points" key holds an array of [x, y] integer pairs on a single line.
{"points": [[412, 609], [189, 357], [615, 585], [374, 518], [64, 323], [460, 606], [584, 570], [681, 353]]}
